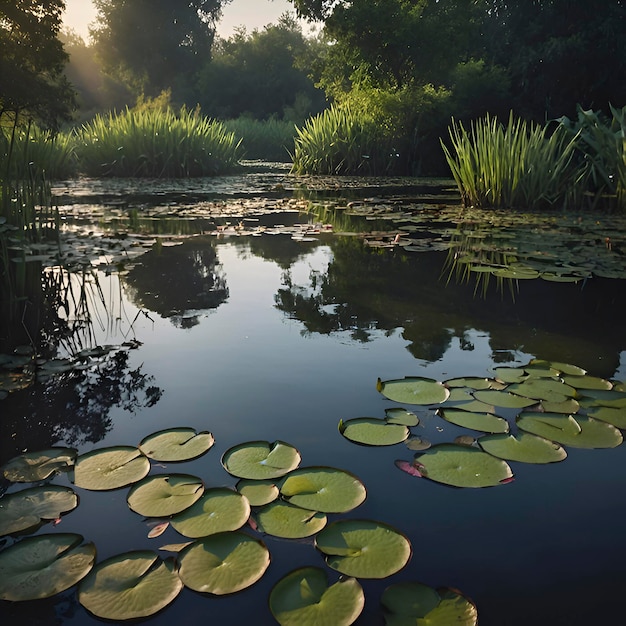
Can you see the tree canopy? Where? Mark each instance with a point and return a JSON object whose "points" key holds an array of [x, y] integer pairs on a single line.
{"points": [[32, 83]]}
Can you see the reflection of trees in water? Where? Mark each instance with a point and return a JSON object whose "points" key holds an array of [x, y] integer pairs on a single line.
{"points": [[177, 282], [366, 290], [74, 407]]}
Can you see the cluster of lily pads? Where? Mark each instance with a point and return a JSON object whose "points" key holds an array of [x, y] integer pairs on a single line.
{"points": [[561, 406], [274, 496]]}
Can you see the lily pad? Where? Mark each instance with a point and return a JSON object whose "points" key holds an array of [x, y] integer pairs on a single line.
{"points": [[522, 447], [261, 459], [363, 548], [617, 417], [218, 510], [579, 432], [110, 468], [176, 444], [503, 399], [569, 406], [401, 416], [285, 520], [510, 374], [258, 492], [588, 382], [485, 422], [130, 586], [411, 603], [370, 431], [475, 406], [543, 389], [461, 466], [38, 465], [165, 495], [473, 382], [304, 598], [27, 509], [324, 489], [223, 563], [42, 566], [561, 368], [417, 443], [414, 390]]}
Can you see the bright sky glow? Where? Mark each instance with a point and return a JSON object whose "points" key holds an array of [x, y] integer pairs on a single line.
{"points": [[249, 13]]}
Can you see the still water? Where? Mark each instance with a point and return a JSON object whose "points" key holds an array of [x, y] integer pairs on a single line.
{"points": [[271, 337]]}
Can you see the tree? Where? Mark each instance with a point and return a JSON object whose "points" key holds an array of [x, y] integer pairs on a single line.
{"points": [[32, 83], [156, 44]]}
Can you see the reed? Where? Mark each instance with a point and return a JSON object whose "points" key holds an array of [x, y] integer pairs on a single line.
{"points": [[157, 144], [269, 140]]}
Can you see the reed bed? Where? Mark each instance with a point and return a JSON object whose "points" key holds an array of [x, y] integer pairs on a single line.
{"points": [[269, 140], [156, 144]]}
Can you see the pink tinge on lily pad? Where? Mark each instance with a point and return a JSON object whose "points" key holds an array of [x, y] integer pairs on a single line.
{"points": [[409, 468]]}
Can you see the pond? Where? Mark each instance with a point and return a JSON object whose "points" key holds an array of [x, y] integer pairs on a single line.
{"points": [[257, 307]]}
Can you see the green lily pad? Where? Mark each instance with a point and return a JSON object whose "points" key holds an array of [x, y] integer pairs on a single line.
{"points": [[176, 444], [31, 467], [473, 382], [503, 399], [42, 566], [560, 368], [27, 509], [475, 406], [462, 466], [130, 586], [110, 468], [258, 492], [165, 495], [588, 382], [304, 598], [579, 432], [569, 406], [485, 422], [218, 510], [614, 416], [370, 431], [363, 548], [417, 443], [285, 520], [414, 390], [603, 397], [523, 447], [401, 416], [261, 459], [324, 489], [543, 389], [510, 374], [412, 603], [223, 563], [460, 394]]}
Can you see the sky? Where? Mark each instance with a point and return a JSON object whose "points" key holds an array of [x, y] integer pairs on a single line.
{"points": [[249, 13]]}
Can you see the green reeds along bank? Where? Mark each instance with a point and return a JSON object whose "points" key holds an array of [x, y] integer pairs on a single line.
{"points": [[156, 144], [338, 141], [520, 165], [268, 140]]}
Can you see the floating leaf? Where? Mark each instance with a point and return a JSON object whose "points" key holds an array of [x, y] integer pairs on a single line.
{"points": [[176, 444], [414, 390], [417, 443], [569, 406], [27, 509], [510, 374], [411, 603], [42, 566], [158, 530], [401, 416], [617, 417], [465, 440], [323, 489], [258, 492], [303, 598], [503, 399], [38, 465], [408, 468], [165, 495], [560, 368], [130, 586], [363, 548], [473, 382], [603, 397], [588, 382], [110, 468], [522, 447], [475, 406], [223, 563], [579, 432], [543, 389], [218, 510], [261, 459], [175, 547], [373, 432], [282, 519], [461, 466], [485, 422]]}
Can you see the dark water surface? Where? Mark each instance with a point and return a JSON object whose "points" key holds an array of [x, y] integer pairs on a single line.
{"points": [[271, 338]]}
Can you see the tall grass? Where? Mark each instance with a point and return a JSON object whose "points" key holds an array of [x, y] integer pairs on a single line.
{"points": [[340, 141], [269, 140], [156, 143], [519, 165]]}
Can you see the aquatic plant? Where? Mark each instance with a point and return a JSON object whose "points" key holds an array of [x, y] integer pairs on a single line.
{"points": [[269, 140], [156, 143]]}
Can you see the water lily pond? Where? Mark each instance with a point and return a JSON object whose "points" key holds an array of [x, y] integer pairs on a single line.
{"points": [[275, 399]]}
